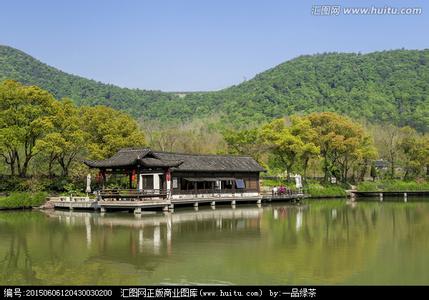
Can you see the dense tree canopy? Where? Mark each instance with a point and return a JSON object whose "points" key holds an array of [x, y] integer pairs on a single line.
{"points": [[343, 146], [33, 124], [26, 114], [388, 86]]}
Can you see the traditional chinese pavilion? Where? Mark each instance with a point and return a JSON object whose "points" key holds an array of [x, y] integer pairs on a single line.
{"points": [[174, 175]]}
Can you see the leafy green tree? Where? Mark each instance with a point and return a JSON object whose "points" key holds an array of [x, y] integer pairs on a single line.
{"points": [[67, 138], [26, 115], [109, 130], [290, 144], [342, 143], [387, 139], [415, 151], [245, 142], [301, 127]]}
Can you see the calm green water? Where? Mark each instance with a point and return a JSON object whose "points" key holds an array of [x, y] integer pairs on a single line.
{"points": [[316, 242]]}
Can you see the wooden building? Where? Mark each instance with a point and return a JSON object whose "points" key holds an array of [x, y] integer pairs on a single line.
{"points": [[177, 175]]}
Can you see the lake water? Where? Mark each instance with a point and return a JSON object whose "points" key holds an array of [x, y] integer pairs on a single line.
{"points": [[315, 242]]}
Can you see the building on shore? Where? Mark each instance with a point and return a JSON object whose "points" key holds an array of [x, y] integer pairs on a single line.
{"points": [[176, 175]]}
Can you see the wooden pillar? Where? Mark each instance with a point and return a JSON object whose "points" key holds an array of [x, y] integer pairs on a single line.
{"points": [[131, 180], [233, 182], [103, 177], [258, 183]]}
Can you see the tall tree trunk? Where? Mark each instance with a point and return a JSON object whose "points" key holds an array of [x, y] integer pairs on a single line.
{"points": [[12, 169], [9, 159], [65, 164], [50, 167], [363, 171], [52, 158], [306, 167], [25, 167], [18, 162], [392, 169], [325, 169]]}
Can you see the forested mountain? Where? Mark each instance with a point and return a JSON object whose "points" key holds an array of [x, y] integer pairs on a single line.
{"points": [[388, 86], [391, 86], [17, 65]]}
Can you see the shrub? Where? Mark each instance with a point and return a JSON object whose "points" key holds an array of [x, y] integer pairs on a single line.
{"points": [[23, 200], [318, 190]]}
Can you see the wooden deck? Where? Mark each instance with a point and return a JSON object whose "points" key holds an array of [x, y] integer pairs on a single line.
{"points": [[71, 202], [139, 201], [283, 197]]}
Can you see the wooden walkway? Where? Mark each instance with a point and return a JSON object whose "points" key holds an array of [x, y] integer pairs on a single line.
{"points": [[395, 193], [354, 194], [139, 204]]}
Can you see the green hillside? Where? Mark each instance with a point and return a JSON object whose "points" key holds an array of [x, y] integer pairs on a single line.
{"points": [[17, 65], [388, 86], [391, 86]]}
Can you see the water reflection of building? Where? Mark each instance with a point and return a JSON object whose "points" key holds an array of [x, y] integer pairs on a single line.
{"points": [[154, 233]]}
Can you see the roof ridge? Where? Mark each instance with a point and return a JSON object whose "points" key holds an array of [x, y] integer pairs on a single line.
{"points": [[200, 154], [129, 149], [134, 149]]}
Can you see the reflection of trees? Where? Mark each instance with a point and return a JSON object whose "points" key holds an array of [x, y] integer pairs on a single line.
{"points": [[334, 243], [17, 262], [320, 242], [54, 250], [333, 247], [40, 250]]}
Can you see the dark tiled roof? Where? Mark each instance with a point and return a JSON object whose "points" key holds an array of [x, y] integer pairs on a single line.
{"points": [[178, 161], [194, 162], [131, 157]]}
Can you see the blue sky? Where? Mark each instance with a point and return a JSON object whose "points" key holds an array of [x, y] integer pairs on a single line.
{"points": [[188, 45]]}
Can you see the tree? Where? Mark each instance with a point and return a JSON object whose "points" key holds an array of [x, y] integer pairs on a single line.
{"points": [[415, 150], [290, 145], [67, 138], [108, 131], [301, 127], [373, 172], [387, 138], [342, 143], [26, 115], [245, 142]]}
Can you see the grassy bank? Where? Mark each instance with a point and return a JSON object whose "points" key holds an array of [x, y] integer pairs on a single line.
{"points": [[22, 200], [316, 190], [393, 186]]}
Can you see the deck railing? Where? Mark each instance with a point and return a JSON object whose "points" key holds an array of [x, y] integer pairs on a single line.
{"points": [[123, 194], [214, 191]]}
